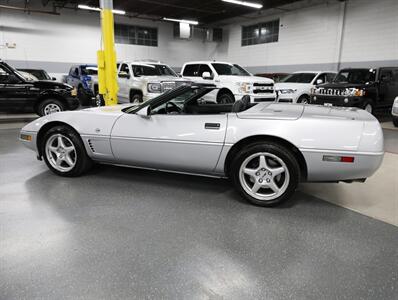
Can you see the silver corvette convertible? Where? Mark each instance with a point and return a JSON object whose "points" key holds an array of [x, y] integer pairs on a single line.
{"points": [[266, 149]]}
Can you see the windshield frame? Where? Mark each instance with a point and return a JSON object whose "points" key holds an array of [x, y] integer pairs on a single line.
{"points": [[243, 71], [350, 71]]}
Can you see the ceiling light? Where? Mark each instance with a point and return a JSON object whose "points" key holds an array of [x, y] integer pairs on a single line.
{"points": [[192, 22], [115, 11], [245, 3]]}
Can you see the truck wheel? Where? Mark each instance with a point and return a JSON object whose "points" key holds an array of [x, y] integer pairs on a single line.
{"points": [[395, 121], [136, 98], [225, 98], [49, 106], [305, 99], [83, 97], [266, 174], [368, 107], [64, 152]]}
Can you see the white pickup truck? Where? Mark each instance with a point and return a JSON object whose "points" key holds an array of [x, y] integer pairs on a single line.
{"points": [[144, 80], [233, 81]]}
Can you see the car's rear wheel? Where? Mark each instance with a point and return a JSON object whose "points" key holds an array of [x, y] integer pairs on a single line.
{"points": [[266, 174], [305, 99], [225, 98], [50, 106], [64, 152], [136, 98]]}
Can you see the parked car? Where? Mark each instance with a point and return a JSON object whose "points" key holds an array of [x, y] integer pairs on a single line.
{"points": [[40, 74], [369, 89], [24, 93], [265, 148], [82, 78], [297, 87], [232, 80], [276, 77], [394, 112], [143, 80]]}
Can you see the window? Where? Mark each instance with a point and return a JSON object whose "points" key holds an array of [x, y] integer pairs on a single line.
{"points": [[191, 71], [260, 33], [136, 35], [359, 76], [299, 78], [227, 69], [124, 69], [330, 77], [3, 75], [204, 68]]}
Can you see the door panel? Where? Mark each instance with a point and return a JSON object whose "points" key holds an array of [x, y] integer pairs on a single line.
{"points": [[171, 142]]}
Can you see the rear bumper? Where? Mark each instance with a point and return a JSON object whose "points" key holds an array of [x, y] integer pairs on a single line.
{"points": [[365, 165]]}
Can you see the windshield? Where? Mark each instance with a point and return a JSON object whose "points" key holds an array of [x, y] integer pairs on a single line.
{"points": [[27, 76], [153, 70], [232, 70], [89, 70], [299, 78], [355, 76], [39, 74]]}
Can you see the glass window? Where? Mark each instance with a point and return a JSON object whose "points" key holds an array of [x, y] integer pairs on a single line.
{"points": [[330, 77], [227, 69], [152, 70], [124, 69], [191, 71], [204, 68], [136, 35], [89, 70], [260, 33], [356, 76], [299, 78], [3, 75]]}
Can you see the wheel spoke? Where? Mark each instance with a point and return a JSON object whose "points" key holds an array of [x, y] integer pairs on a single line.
{"points": [[59, 161], [69, 149], [60, 142], [68, 160], [263, 162], [272, 185], [250, 172], [256, 187], [53, 149], [277, 171]]}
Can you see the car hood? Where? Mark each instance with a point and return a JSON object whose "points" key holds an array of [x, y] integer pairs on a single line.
{"points": [[249, 79], [341, 85], [292, 86], [48, 84]]}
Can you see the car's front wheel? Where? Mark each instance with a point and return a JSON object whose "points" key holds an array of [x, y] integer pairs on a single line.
{"points": [[50, 106], [266, 174], [64, 152]]}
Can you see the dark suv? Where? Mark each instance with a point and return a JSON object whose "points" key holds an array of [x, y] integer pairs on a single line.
{"points": [[369, 89], [19, 93]]}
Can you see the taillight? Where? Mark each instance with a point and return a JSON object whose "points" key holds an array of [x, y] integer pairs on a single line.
{"points": [[343, 159]]}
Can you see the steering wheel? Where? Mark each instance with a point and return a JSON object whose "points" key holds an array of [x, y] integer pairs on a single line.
{"points": [[178, 109]]}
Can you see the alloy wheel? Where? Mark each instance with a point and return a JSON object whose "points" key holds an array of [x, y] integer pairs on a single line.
{"points": [[51, 108], [61, 153], [264, 176]]}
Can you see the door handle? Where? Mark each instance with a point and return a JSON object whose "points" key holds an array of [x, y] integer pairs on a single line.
{"points": [[215, 126]]}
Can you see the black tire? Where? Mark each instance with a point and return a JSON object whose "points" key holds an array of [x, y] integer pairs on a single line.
{"points": [[290, 179], [395, 121], [304, 99], [83, 97], [135, 98], [49, 106], [225, 98], [368, 106], [82, 161]]}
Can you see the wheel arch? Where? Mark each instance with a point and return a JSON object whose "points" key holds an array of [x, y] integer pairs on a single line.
{"points": [[134, 91], [47, 96], [266, 138], [45, 128], [225, 91]]}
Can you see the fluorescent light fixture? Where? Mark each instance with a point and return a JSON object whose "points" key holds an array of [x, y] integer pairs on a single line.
{"points": [[192, 22], [245, 3], [115, 11]]}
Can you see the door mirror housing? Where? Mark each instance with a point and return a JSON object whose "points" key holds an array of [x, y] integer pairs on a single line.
{"points": [[123, 74], [54, 79], [207, 75], [144, 112], [319, 81]]}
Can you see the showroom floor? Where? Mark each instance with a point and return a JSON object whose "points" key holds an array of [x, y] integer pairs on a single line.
{"points": [[121, 233]]}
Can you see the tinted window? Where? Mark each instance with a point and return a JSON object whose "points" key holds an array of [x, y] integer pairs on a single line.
{"points": [[356, 76], [191, 71], [3, 75], [152, 70], [204, 68], [330, 77], [124, 68], [136, 35], [89, 70], [227, 69], [299, 78]]}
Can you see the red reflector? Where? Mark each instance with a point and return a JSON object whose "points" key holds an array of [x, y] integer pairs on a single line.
{"points": [[347, 159]]}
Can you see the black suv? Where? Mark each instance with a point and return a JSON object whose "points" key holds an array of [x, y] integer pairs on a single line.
{"points": [[369, 89], [19, 93]]}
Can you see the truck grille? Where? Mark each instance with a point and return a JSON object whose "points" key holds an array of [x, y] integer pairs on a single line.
{"points": [[263, 88], [330, 92]]}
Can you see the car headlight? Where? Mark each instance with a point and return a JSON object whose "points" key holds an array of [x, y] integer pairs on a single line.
{"points": [[154, 88], [73, 92], [243, 87], [354, 92], [287, 91]]}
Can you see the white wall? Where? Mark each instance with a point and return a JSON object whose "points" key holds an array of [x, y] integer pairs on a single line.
{"points": [[310, 38]]}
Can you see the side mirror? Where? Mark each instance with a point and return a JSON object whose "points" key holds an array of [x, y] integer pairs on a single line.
{"points": [[123, 74], [53, 78], [319, 81], [207, 75], [145, 112]]}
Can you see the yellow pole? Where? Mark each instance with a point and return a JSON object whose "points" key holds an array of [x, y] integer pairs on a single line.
{"points": [[107, 72]]}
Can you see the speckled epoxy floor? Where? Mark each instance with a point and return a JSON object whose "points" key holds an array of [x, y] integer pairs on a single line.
{"points": [[120, 233]]}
